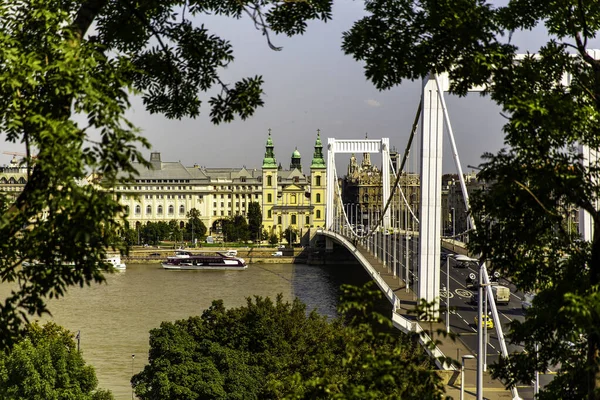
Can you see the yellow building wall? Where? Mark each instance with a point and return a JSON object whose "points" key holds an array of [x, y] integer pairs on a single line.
{"points": [[267, 205], [317, 192]]}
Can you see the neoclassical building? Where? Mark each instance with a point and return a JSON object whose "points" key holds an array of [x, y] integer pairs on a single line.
{"points": [[290, 198], [167, 191], [362, 189]]}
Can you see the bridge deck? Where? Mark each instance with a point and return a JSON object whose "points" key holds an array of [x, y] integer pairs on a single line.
{"points": [[493, 389]]}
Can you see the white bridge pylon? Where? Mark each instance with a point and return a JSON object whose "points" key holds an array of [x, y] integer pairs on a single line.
{"points": [[347, 146]]}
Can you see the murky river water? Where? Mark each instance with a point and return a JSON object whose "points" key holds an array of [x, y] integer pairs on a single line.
{"points": [[115, 318]]}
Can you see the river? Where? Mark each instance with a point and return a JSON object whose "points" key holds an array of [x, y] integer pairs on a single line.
{"points": [[115, 318]]}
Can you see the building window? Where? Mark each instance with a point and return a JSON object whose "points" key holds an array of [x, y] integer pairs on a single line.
{"points": [[159, 210], [171, 210], [307, 220], [318, 198], [293, 199], [318, 214], [215, 213], [181, 210], [269, 181], [222, 213], [269, 215], [269, 197], [318, 180], [127, 210], [293, 219], [138, 210], [215, 204], [148, 210], [279, 219], [243, 179]]}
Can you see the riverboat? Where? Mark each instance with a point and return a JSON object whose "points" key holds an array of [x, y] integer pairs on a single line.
{"points": [[115, 262], [215, 261]]}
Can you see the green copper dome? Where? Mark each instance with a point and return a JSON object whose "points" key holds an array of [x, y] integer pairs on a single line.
{"points": [[296, 153]]}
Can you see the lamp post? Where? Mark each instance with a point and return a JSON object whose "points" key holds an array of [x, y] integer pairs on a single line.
{"points": [[462, 374], [453, 228], [132, 358], [448, 294]]}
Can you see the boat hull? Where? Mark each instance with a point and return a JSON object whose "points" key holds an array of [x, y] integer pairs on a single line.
{"points": [[204, 267], [206, 262]]}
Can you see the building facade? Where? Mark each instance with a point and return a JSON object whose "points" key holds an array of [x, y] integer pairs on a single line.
{"points": [[167, 191], [362, 193]]}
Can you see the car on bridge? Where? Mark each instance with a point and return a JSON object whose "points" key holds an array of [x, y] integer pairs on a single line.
{"points": [[489, 322], [463, 261]]}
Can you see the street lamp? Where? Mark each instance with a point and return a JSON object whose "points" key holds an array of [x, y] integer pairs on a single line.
{"points": [[132, 358], [453, 228], [462, 374]]}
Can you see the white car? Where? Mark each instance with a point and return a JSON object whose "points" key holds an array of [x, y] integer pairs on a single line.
{"points": [[527, 300]]}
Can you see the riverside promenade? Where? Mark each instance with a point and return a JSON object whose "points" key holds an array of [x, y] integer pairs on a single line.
{"points": [[492, 389]]}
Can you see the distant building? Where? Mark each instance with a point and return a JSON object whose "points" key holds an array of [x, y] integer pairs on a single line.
{"points": [[167, 191], [13, 178], [362, 193]]}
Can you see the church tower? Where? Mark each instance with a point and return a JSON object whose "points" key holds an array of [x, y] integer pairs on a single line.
{"points": [[296, 161], [318, 183], [269, 186]]}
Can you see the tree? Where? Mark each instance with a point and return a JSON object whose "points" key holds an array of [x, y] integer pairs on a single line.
{"points": [[46, 364], [269, 349], [234, 228], [290, 234], [175, 232], [539, 178], [195, 226], [254, 220], [54, 67], [273, 239]]}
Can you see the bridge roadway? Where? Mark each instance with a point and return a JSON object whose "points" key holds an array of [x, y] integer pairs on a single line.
{"points": [[461, 322]]}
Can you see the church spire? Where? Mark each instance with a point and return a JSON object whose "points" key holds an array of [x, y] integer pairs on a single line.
{"points": [[269, 160], [318, 161]]}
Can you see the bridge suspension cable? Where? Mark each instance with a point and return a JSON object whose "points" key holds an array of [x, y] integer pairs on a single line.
{"points": [[394, 186]]}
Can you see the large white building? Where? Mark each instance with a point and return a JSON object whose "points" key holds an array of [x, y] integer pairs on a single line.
{"points": [[167, 191]]}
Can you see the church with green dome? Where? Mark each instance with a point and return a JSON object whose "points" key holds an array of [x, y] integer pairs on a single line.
{"points": [[167, 190], [290, 198]]}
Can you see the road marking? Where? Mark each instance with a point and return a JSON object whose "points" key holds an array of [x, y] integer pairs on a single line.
{"points": [[444, 294], [464, 293]]}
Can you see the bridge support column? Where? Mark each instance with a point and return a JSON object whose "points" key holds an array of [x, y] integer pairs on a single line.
{"points": [[328, 245], [432, 124]]}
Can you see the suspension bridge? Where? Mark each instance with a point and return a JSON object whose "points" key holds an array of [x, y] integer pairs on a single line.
{"points": [[401, 247]]}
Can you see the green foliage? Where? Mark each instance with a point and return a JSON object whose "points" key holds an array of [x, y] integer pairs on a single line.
{"points": [[45, 364], [290, 234], [534, 184], [195, 225], [254, 220], [234, 229], [53, 66], [272, 349], [273, 239]]}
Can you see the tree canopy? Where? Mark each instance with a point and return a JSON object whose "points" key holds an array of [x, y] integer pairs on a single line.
{"points": [[536, 183], [275, 349], [64, 62], [255, 221], [46, 364]]}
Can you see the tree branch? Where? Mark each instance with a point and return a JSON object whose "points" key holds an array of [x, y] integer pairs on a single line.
{"points": [[86, 15]]}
